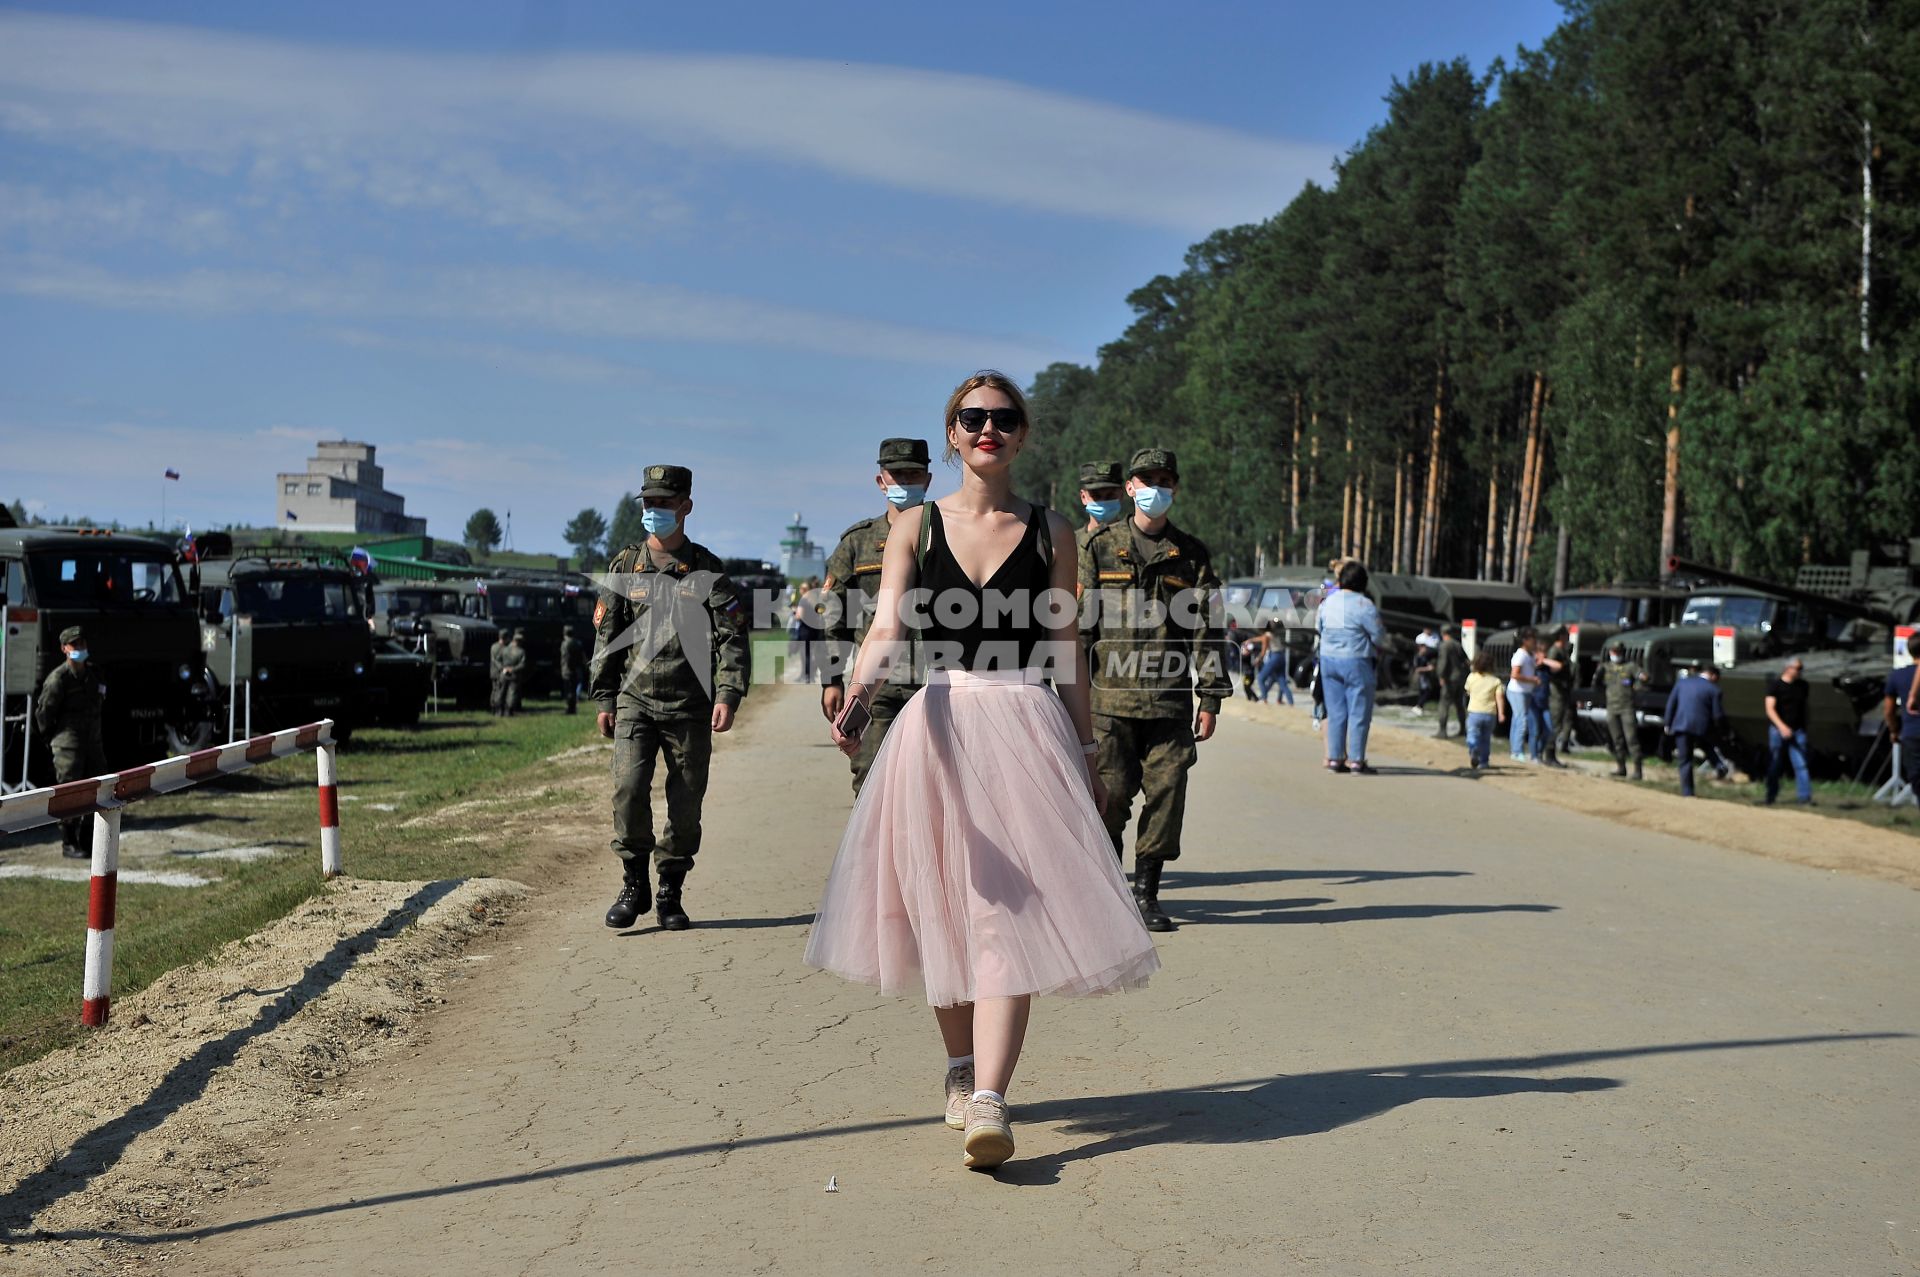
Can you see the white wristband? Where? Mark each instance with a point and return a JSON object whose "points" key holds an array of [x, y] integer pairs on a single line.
{"points": [[1089, 747]]}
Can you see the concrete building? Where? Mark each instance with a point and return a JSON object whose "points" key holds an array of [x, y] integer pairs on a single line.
{"points": [[342, 490]]}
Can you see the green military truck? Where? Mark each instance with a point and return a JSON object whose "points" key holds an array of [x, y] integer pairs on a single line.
{"points": [[1854, 610], [142, 636], [427, 617], [542, 608], [286, 639], [1409, 604], [1594, 617]]}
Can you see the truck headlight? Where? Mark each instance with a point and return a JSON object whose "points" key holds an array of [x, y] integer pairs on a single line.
{"points": [[185, 671], [262, 676], [358, 669]]}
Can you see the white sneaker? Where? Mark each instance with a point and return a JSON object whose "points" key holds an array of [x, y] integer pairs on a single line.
{"points": [[989, 1134], [959, 1091]]}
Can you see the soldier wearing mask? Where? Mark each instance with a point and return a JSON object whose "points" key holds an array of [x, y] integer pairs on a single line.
{"points": [[68, 714], [853, 581], [1621, 678], [513, 668], [1101, 495], [1153, 635], [670, 665]]}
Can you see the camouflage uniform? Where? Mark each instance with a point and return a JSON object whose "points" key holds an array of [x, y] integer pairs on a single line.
{"points": [[573, 668], [1451, 668], [68, 714], [496, 673], [853, 579], [1560, 696], [513, 668], [1143, 718], [1621, 680], [646, 680]]}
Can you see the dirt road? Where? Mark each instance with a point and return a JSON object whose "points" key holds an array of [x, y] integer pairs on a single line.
{"points": [[1411, 1023]]}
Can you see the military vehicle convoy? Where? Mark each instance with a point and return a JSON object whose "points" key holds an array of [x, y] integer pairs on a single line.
{"points": [[142, 638]]}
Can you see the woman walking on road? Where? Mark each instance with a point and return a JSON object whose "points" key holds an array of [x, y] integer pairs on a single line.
{"points": [[1351, 636], [975, 863]]}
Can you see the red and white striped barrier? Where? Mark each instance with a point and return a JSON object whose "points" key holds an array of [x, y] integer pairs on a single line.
{"points": [[104, 796]]}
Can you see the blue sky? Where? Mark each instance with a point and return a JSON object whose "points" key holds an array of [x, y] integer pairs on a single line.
{"points": [[527, 249]]}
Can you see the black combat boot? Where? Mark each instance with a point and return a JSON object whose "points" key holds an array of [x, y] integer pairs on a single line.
{"points": [[1619, 766], [1146, 894], [667, 901], [1639, 770], [631, 903]]}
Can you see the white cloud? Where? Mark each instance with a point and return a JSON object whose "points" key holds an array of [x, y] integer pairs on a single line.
{"points": [[515, 297], [553, 365], [432, 131]]}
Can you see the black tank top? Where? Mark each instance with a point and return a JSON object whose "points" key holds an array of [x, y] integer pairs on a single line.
{"points": [[992, 627]]}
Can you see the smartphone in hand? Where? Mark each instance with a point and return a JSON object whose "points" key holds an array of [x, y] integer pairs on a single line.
{"points": [[854, 719]]}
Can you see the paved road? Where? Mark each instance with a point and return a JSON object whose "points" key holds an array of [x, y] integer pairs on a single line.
{"points": [[1410, 1024]]}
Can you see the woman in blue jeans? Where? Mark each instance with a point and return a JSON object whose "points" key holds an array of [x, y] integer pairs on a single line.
{"points": [[1350, 636]]}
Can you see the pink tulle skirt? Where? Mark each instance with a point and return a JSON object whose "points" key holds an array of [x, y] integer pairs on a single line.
{"points": [[975, 864]]}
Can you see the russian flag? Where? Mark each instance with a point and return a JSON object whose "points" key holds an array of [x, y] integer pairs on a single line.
{"points": [[359, 560], [173, 474], [291, 515]]}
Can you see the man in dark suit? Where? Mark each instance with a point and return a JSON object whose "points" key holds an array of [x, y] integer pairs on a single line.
{"points": [[1695, 716]]}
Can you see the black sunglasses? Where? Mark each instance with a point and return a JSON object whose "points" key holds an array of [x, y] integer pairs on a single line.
{"points": [[974, 420]]}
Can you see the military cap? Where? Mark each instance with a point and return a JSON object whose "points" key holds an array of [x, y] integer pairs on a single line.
{"points": [[1153, 459], [910, 454], [519, 634], [73, 635], [667, 481], [1100, 474]]}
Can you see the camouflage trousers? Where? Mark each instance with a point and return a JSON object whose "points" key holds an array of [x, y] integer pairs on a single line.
{"points": [[1149, 757], [1560, 710], [506, 694], [78, 761], [1623, 733], [886, 704], [686, 746]]}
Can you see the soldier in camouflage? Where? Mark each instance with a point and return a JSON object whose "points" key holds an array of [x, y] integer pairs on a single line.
{"points": [[1100, 493], [671, 662], [853, 581], [1621, 678], [573, 667], [496, 663], [513, 670], [1153, 633], [68, 714]]}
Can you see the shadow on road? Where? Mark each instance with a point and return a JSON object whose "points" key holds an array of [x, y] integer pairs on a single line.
{"points": [[99, 1149], [1214, 912], [727, 924], [1176, 879], [1249, 1110]]}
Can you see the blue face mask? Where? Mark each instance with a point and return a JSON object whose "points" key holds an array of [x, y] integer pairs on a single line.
{"points": [[905, 496], [78, 655], [660, 523], [1104, 511], [1152, 502]]}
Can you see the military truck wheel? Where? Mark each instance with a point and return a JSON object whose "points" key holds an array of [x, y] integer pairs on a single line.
{"points": [[190, 739]]}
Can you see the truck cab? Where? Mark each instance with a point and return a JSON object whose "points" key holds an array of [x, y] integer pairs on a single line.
{"points": [[128, 594], [427, 617]]}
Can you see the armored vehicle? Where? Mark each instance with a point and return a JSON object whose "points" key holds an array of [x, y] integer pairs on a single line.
{"points": [[1855, 609], [142, 639], [426, 617]]}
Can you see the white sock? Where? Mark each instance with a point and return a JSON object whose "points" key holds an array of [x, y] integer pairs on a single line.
{"points": [[956, 1061], [990, 1095]]}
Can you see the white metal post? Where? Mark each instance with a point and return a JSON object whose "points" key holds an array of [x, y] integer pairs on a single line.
{"points": [[98, 984], [330, 864]]}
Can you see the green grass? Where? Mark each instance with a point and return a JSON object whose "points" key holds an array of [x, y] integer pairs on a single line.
{"points": [[452, 758], [1842, 799]]}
